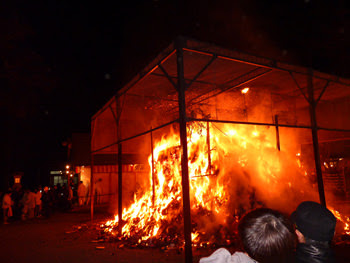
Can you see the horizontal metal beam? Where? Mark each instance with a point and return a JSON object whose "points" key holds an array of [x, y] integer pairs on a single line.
{"points": [[135, 136]]}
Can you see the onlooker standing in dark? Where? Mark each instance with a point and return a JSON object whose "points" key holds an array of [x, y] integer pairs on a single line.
{"points": [[46, 202], [7, 206], [315, 228], [81, 193], [56, 191], [98, 191], [25, 204], [16, 196], [28, 201], [62, 198], [70, 197], [37, 202], [31, 204]]}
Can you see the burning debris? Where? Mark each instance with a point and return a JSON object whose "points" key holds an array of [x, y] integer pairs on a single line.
{"points": [[170, 236], [218, 195], [230, 168], [342, 236]]}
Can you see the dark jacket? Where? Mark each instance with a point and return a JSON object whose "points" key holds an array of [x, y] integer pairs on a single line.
{"points": [[314, 252]]}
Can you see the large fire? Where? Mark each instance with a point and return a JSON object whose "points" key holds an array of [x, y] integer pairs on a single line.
{"points": [[232, 168]]}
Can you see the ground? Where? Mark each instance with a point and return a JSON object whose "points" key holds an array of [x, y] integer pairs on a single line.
{"points": [[71, 237]]}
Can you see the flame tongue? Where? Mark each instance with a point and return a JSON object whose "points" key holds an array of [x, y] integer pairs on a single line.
{"points": [[344, 220]]}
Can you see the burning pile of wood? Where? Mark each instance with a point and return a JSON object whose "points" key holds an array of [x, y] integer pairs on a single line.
{"points": [[170, 234], [229, 168]]}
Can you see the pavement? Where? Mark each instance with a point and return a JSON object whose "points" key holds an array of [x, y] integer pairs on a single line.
{"points": [[73, 237]]}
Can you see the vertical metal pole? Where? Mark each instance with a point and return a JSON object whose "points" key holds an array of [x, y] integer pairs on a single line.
{"points": [[245, 108], [92, 188], [208, 143], [120, 169], [314, 129], [277, 134], [110, 197], [152, 167], [344, 180], [184, 161], [120, 188]]}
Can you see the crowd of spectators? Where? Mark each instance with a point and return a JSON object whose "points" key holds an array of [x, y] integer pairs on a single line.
{"points": [[23, 203], [267, 235]]}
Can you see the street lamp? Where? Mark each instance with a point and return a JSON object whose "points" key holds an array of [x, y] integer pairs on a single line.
{"points": [[244, 92]]}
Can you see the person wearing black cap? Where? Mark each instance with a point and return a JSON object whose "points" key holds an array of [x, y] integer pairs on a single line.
{"points": [[315, 228]]}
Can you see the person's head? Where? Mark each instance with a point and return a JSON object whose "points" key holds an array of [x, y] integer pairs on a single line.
{"points": [[313, 221], [267, 235]]}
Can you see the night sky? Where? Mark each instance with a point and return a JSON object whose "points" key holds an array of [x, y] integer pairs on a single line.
{"points": [[60, 61]]}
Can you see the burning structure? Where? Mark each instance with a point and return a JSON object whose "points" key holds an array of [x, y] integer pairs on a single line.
{"points": [[204, 134]]}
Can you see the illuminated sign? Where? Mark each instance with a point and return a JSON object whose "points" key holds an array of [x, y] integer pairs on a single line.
{"points": [[55, 172]]}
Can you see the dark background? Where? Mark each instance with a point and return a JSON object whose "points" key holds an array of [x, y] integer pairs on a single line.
{"points": [[60, 61]]}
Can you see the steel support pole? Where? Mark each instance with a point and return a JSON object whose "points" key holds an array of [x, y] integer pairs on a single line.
{"points": [[92, 188], [120, 188], [152, 167], [209, 153], [120, 169], [278, 145], [312, 109], [184, 160]]}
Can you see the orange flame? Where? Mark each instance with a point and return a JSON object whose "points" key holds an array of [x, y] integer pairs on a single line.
{"points": [[344, 219], [233, 154]]}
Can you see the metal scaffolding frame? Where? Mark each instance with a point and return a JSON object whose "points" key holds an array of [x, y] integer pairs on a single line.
{"points": [[263, 66]]}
